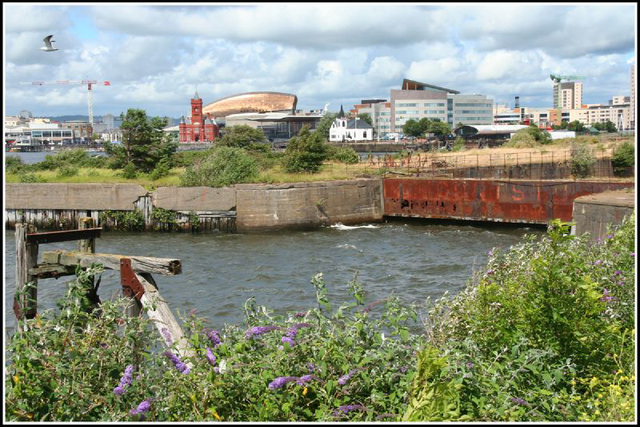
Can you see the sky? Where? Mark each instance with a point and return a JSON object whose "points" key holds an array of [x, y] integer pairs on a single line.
{"points": [[157, 55]]}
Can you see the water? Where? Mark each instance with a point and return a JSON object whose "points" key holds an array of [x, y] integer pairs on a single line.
{"points": [[32, 157], [221, 271]]}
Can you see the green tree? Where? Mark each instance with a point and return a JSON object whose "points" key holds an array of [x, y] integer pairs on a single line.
{"points": [[623, 159], [413, 128], [221, 167], [144, 143], [607, 126], [305, 152], [576, 126], [243, 136], [439, 129], [324, 125], [366, 117]]}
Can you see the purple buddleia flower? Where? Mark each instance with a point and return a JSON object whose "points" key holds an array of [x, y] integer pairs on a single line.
{"points": [[344, 409], [280, 382], [210, 357], [142, 409], [606, 297], [183, 368], [288, 340], [259, 330], [311, 367], [343, 379], [305, 379], [167, 336], [598, 262], [519, 401], [300, 314], [125, 381], [215, 338], [292, 332]]}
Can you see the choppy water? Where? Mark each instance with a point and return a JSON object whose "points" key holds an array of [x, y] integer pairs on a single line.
{"points": [[221, 271]]}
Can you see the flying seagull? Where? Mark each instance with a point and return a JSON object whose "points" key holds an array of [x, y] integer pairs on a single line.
{"points": [[48, 46]]}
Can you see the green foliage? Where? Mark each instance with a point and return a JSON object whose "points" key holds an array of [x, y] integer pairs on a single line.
{"points": [[67, 171], [352, 364], [122, 220], [623, 158], [162, 169], [547, 324], [75, 158], [30, 178], [129, 171], [458, 144], [343, 154], [144, 143], [15, 165], [65, 364], [607, 126], [246, 137], [324, 125], [413, 128], [582, 160], [305, 152], [222, 166], [366, 117], [164, 219], [531, 136]]}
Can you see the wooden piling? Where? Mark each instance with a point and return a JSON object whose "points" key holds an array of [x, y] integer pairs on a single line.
{"points": [[26, 297]]}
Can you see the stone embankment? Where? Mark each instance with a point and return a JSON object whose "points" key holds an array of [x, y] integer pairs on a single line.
{"points": [[261, 207]]}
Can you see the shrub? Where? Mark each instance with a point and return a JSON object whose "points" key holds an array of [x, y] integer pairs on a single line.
{"points": [[30, 178], [129, 171], [582, 160], [344, 155], [162, 169], [67, 171], [354, 363], [546, 334], [305, 152], [221, 167], [623, 159]]}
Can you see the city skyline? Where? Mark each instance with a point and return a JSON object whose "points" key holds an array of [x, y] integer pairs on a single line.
{"points": [[156, 56]]}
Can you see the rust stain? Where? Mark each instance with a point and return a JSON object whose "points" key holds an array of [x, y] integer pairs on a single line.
{"points": [[535, 202]]}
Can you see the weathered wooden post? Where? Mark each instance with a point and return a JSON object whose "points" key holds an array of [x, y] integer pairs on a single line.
{"points": [[86, 245], [25, 304]]}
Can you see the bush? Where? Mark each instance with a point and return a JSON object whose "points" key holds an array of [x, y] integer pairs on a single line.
{"points": [[305, 152], [354, 363], [546, 334], [77, 158], [623, 159], [223, 166], [582, 160], [129, 171], [67, 171], [344, 155]]}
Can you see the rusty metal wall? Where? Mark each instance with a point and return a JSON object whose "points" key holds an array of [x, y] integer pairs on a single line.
{"points": [[534, 202]]}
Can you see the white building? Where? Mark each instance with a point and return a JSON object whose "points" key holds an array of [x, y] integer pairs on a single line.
{"points": [[416, 100], [350, 130]]}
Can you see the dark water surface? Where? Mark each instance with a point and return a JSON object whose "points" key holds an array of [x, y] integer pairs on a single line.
{"points": [[221, 271]]}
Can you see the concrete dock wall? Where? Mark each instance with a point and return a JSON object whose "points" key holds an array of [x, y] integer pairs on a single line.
{"points": [[517, 201], [308, 205], [258, 207], [594, 213]]}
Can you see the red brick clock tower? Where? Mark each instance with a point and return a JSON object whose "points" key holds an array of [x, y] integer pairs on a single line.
{"points": [[199, 128]]}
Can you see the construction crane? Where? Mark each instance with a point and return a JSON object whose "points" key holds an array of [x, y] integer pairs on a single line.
{"points": [[89, 84], [557, 79]]}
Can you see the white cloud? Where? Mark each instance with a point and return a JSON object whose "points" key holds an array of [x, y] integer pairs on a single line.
{"points": [[335, 53]]}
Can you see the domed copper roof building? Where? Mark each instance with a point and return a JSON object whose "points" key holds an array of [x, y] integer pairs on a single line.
{"points": [[252, 102]]}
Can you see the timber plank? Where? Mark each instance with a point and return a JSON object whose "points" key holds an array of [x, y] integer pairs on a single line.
{"points": [[140, 264]]}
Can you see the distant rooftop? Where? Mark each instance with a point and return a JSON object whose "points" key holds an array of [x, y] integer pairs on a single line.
{"points": [[414, 85]]}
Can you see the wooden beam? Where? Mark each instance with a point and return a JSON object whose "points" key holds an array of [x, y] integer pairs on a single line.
{"points": [[48, 271], [140, 264], [63, 236], [160, 314]]}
